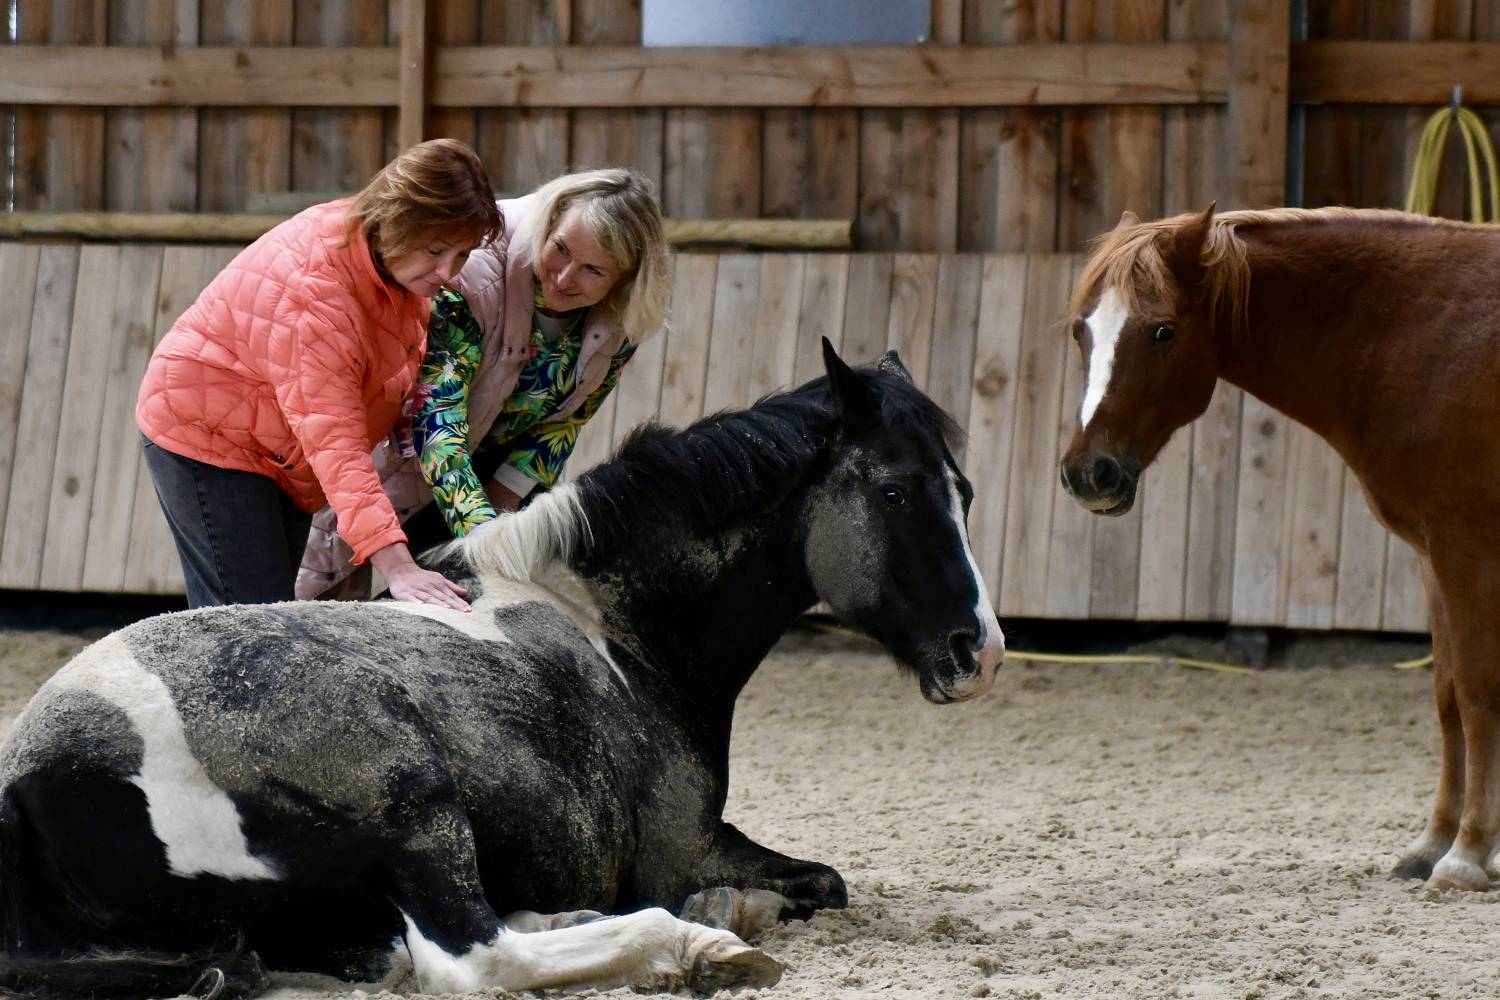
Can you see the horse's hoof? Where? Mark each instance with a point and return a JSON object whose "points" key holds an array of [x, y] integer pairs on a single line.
{"points": [[733, 967], [1412, 867], [1462, 876], [712, 908]]}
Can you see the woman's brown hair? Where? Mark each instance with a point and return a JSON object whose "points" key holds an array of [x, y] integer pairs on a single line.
{"points": [[435, 190]]}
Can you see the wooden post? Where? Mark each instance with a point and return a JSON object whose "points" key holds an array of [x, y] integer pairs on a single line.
{"points": [[1259, 56], [411, 125]]}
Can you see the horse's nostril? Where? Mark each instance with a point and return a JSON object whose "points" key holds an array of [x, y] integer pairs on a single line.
{"points": [[1106, 474]]}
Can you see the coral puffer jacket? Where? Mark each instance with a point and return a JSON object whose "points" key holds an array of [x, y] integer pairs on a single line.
{"points": [[292, 364]]}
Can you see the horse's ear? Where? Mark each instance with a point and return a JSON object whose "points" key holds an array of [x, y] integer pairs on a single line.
{"points": [[1184, 250], [891, 365], [1128, 219], [853, 401]]}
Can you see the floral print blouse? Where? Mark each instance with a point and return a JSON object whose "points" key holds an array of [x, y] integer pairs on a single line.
{"points": [[534, 445]]}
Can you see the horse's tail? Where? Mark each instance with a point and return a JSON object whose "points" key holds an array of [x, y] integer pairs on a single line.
{"points": [[32, 964]]}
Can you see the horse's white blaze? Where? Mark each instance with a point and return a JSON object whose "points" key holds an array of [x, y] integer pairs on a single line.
{"points": [[196, 822], [991, 639], [645, 947], [1105, 324]]}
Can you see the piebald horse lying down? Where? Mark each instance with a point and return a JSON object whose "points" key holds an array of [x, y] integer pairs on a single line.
{"points": [[317, 786]]}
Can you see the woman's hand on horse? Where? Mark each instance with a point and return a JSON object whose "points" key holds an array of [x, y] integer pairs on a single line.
{"points": [[409, 582]]}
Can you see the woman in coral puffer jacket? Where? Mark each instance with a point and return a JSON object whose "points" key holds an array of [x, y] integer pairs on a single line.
{"points": [[263, 402]]}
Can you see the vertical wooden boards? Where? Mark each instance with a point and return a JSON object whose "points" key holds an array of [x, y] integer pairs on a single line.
{"points": [[712, 167], [75, 136], [825, 289], [37, 430], [594, 440], [454, 22], [1008, 157], [686, 366], [867, 308], [1315, 503], [1331, 134], [1361, 570], [1213, 501], [1405, 602], [773, 355], [243, 151], [615, 137], [338, 149], [992, 419], [151, 154], [731, 341], [640, 386], [1187, 537], [76, 465], [412, 31], [1259, 61], [151, 563], [28, 177], [1036, 581], [910, 333], [523, 148], [955, 326], [132, 325], [806, 157], [1259, 589], [19, 262]]}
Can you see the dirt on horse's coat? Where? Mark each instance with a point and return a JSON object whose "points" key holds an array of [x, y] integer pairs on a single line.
{"points": [[312, 786], [1378, 330]]}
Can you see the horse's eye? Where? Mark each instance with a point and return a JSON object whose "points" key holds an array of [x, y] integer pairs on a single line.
{"points": [[893, 496], [1078, 328], [1163, 333]]}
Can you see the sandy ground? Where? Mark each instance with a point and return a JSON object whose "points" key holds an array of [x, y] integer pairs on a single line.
{"points": [[1083, 831]]}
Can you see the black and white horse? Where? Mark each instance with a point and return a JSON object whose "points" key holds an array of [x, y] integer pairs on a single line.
{"points": [[317, 785]]}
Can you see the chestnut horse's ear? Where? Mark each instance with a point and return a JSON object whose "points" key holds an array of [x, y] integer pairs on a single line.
{"points": [[853, 401], [1128, 219], [1184, 248]]}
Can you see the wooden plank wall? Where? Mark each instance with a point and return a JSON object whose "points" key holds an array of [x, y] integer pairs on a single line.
{"points": [[980, 332]]}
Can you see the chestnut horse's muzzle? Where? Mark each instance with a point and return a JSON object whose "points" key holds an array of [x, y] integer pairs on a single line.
{"points": [[1102, 483]]}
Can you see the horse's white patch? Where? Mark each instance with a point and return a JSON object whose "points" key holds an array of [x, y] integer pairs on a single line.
{"points": [[992, 640], [472, 623], [517, 545], [1105, 324], [196, 822]]}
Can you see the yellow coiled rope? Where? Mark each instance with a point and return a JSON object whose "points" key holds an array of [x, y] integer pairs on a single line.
{"points": [[1429, 162]]}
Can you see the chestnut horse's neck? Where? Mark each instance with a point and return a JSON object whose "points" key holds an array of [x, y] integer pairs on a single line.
{"points": [[1336, 301]]}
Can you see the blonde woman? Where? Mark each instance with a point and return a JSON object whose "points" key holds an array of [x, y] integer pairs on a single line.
{"points": [[262, 403], [522, 350]]}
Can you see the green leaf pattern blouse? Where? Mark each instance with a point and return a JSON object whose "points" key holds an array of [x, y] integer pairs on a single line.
{"points": [[536, 446]]}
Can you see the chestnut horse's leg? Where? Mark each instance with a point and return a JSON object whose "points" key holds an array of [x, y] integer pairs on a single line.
{"points": [[1470, 584], [1442, 828]]}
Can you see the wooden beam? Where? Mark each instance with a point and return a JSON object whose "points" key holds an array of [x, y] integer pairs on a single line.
{"points": [[1395, 72], [783, 234], [1259, 43], [411, 121], [621, 77]]}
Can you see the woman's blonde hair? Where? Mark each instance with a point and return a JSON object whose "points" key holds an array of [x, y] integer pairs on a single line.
{"points": [[435, 190], [619, 207]]}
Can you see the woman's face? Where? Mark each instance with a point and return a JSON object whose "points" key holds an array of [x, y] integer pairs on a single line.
{"points": [[429, 267], [575, 272]]}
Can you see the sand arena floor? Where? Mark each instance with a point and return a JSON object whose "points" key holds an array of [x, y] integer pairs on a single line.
{"points": [[1081, 832]]}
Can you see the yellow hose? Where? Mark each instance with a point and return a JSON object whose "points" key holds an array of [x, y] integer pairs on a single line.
{"points": [[1428, 165]]}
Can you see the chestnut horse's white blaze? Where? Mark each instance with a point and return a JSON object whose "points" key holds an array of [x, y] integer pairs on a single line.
{"points": [[198, 825], [1105, 324]]}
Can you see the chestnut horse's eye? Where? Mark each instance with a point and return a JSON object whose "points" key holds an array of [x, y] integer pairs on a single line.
{"points": [[1078, 328], [1163, 333]]}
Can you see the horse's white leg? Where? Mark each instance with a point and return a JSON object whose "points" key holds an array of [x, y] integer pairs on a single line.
{"points": [[1469, 597], [458, 944], [1424, 853], [650, 948], [529, 921]]}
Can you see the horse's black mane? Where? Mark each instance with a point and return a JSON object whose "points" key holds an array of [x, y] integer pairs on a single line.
{"points": [[733, 463]]}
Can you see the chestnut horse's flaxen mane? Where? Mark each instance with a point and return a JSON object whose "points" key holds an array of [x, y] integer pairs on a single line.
{"points": [[1130, 260]]}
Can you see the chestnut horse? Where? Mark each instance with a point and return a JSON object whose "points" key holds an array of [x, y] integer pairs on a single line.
{"points": [[1381, 332]]}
